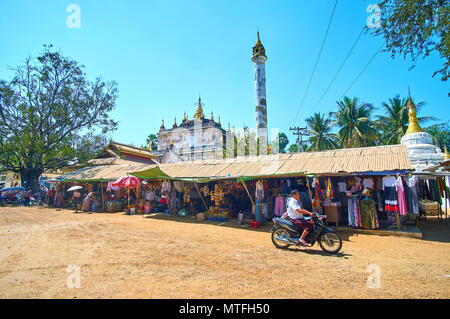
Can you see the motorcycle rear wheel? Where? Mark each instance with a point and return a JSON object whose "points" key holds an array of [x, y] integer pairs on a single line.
{"points": [[278, 243], [330, 243]]}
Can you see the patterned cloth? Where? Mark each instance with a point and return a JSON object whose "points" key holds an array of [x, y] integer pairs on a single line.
{"points": [[369, 217], [354, 212]]}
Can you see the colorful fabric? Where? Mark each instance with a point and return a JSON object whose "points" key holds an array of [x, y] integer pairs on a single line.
{"points": [[369, 217], [402, 208], [330, 193], [354, 212], [279, 206]]}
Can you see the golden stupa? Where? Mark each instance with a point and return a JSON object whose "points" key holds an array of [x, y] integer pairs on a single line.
{"points": [[413, 126]]}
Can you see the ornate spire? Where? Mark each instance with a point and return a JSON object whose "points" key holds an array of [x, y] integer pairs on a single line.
{"points": [[199, 113], [212, 117], [162, 125], [413, 126], [218, 122], [175, 122], [258, 49], [446, 154]]}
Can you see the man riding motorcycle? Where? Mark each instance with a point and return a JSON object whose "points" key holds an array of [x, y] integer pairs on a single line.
{"points": [[295, 213]]}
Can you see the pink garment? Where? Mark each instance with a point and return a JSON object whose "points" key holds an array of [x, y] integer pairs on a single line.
{"points": [[279, 206], [403, 210]]}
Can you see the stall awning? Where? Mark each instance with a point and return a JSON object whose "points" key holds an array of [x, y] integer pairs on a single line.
{"points": [[368, 160], [101, 173]]}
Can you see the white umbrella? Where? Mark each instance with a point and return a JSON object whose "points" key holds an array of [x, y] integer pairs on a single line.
{"points": [[73, 188]]}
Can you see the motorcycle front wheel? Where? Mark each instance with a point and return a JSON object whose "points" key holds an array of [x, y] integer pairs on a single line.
{"points": [[330, 243], [280, 232]]}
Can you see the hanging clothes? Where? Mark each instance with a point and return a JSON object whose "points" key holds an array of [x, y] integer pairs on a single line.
{"points": [[330, 193], [403, 210], [279, 206], [354, 212], [369, 218], [368, 183], [259, 192], [413, 199], [390, 194]]}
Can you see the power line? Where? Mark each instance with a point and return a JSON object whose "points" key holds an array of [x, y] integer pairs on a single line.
{"points": [[362, 71], [317, 62], [340, 68]]}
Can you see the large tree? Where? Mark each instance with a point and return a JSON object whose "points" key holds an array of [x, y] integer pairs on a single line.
{"points": [[319, 129], [415, 28], [356, 128], [394, 124], [152, 142], [44, 109]]}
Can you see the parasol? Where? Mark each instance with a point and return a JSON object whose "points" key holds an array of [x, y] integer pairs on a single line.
{"points": [[127, 182], [73, 188]]}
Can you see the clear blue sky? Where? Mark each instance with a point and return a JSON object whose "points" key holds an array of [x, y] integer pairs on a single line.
{"points": [[164, 53]]}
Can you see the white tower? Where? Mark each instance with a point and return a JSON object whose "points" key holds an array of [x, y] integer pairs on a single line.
{"points": [[259, 59]]}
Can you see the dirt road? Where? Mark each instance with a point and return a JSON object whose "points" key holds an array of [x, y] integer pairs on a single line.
{"points": [[123, 256]]}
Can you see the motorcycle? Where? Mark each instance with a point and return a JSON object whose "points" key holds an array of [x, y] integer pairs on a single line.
{"points": [[285, 234]]}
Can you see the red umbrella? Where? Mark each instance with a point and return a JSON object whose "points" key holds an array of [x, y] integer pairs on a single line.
{"points": [[127, 182]]}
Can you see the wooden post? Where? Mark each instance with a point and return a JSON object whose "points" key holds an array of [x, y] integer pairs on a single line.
{"points": [[201, 197], [103, 199], [245, 186]]}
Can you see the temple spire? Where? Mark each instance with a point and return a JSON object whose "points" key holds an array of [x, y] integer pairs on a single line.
{"points": [[446, 154], [413, 126], [199, 113], [162, 125]]}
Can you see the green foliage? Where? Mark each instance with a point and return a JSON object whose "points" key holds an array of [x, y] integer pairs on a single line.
{"points": [[44, 109], [321, 137], [440, 133], [293, 148], [88, 146], [283, 141], [393, 126], [152, 142], [355, 126], [416, 28]]}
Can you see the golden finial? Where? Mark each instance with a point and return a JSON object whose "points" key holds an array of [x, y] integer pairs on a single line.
{"points": [[199, 113], [258, 41], [446, 153], [413, 126], [258, 49], [171, 141]]}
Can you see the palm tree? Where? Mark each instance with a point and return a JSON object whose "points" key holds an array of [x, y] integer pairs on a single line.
{"points": [[394, 125], [353, 119], [320, 130]]}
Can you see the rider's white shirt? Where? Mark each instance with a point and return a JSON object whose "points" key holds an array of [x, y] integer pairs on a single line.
{"points": [[292, 209]]}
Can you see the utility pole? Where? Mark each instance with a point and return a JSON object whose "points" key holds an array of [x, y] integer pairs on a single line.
{"points": [[300, 132]]}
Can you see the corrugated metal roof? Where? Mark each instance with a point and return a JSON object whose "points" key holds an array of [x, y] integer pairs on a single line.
{"points": [[342, 161], [104, 172]]}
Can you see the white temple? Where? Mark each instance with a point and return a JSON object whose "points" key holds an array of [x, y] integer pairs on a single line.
{"points": [[421, 150]]}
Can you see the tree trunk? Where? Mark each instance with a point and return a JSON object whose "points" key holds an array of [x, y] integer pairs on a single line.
{"points": [[30, 178]]}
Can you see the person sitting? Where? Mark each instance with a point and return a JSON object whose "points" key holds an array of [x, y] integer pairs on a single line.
{"points": [[296, 213]]}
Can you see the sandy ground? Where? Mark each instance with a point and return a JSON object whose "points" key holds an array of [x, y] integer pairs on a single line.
{"points": [[123, 256]]}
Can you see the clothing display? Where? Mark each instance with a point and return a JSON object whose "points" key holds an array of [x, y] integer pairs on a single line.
{"points": [[354, 212], [390, 194], [368, 183], [369, 217], [259, 192], [403, 210], [342, 187], [279, 206]]}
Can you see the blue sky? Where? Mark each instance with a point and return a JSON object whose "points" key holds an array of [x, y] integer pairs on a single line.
{"points": [[163, 54]]}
